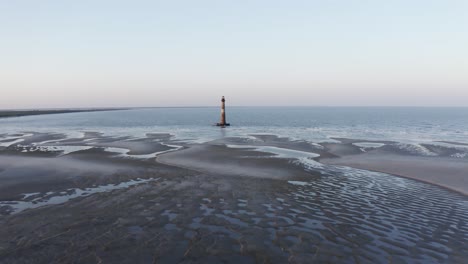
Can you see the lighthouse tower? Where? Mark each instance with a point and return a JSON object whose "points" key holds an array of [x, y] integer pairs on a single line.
{"points": [[223, 114]]}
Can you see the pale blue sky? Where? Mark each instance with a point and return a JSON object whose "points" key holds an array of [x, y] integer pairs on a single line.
{"points": [[178, 53]]}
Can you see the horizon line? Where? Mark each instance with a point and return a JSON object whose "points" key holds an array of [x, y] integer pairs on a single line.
{"points": [[216, 106]]}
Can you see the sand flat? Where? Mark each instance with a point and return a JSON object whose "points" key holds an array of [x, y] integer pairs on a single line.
{"points": [[210, 203], [451, 173]]}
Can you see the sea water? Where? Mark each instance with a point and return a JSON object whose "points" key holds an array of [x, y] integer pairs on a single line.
{"points": [[314, 124]]}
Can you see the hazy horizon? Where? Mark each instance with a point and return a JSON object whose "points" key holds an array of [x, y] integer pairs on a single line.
{"points": [[67, 54], [217, 106]]}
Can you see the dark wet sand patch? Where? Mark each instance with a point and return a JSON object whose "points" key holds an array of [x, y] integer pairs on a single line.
{"points": [[160, 136], [212, 219], [26, 174]]}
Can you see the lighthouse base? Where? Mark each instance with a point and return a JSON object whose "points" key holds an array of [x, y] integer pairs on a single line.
{"points": [[223, 125]]}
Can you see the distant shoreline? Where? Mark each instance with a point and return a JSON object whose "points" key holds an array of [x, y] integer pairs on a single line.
{"points": [[19, 113]]}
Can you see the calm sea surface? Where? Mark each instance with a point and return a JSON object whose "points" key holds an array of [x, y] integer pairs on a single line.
{"points": [[317, 124]]}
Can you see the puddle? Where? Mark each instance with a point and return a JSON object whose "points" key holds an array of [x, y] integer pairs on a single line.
{"points": [[47, 199]]}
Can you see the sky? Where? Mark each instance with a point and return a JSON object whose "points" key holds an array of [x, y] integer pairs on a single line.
{"points": [[111, 53]]}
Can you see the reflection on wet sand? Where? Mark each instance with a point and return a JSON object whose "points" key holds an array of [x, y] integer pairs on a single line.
{"points": [[266, 200]]}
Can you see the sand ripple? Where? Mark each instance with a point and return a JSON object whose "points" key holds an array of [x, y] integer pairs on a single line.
{"points": [[352, 216]]}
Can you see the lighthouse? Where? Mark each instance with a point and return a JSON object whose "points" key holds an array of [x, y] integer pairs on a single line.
{"points": [[223, 114]]}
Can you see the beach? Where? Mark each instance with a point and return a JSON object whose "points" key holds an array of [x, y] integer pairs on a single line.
{"points": [[262, 198]]}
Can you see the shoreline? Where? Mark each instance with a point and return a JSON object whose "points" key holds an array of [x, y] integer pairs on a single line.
{"points": [[20, 113]]}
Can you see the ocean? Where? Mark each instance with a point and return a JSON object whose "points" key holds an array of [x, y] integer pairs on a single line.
{"points": [[314, 124]]}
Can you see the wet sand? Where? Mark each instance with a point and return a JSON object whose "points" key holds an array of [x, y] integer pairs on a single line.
{"points": [[221, 201], [447, 173], [221, 160], [434, 164]]}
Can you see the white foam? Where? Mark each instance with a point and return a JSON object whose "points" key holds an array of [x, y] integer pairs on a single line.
{"points": [[27, 195], [316, 145], [174, 148], [304, 159], [46, 142], [11, 140], [460, 155], [278, 152], [368, 145], [310, 164], [415, 149], [9, 143], [123, 152], [299, 183], [73, 134], [64, 149], [451, 146]]}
